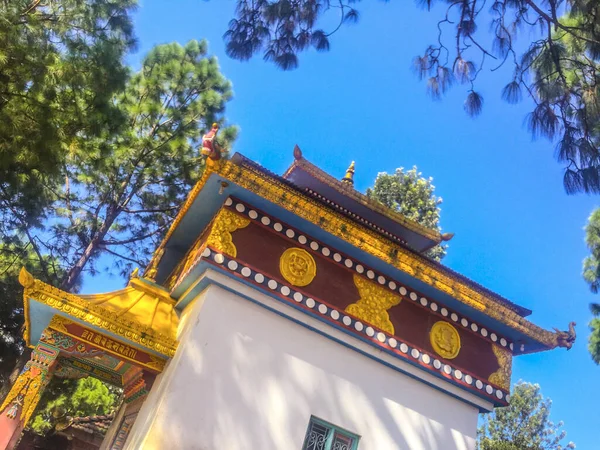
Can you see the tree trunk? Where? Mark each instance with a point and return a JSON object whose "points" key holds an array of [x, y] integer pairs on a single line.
{"points": [[73, 274]]}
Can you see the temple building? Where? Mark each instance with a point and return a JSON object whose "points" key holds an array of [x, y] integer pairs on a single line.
{"points": [[283, 312]]}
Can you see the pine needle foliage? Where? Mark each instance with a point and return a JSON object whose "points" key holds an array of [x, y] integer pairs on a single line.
{"points": [[409, 193], [122, 192], [591, 274], [523, 425], [556, 65], [58, 73]]}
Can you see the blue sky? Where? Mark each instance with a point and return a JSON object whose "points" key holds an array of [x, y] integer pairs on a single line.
{"points": [[517, 232]]}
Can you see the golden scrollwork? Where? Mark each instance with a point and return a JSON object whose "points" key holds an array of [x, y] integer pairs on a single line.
{"points": [[445, 339], [501, 377], [59, 323], [368, 241], [156, 363], [373, 305], [186, 263], [297, 266], [225, 223]]}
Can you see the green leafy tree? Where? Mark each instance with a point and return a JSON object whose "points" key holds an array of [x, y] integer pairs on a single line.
{"points": [[558, 68], [412, 195], [591, 274], [73, 398], [122, 192], [122, 189], [61, 61], [594, 340], [523, 425]]}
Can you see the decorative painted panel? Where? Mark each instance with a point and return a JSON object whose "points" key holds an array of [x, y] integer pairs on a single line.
{"points": [[106, 343], [390, 313]]}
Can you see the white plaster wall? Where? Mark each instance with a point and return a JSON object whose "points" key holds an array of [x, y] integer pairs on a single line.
{"points": [[245, 378]]}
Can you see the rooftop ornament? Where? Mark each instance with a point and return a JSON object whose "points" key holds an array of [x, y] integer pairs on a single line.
{"points": [[349, 177], [210, 149]]}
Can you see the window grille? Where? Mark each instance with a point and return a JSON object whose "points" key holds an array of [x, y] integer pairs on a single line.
{"points": [[322, 435]]}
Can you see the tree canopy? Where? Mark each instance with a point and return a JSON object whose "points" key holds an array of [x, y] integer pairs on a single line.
{"points": [[412, 195], [73, 398], [523, 425], [591, 274], [557, 70], [58, 74], [121, 189]]}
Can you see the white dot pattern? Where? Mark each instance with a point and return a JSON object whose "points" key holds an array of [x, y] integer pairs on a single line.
{"points": [[348, 321]]}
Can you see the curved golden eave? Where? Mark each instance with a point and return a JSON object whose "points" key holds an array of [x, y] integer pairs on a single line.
{"points": [[142, 312]]}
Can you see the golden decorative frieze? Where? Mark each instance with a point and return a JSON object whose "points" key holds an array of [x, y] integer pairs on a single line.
{"points": [[59, 323], [368, 241], [297, 266], [373, 304], [445, 340], [501, 377], [94, 314], [225, 223]]}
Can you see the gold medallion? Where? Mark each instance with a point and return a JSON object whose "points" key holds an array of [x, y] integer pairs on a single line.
{"points": [[297, 266], [445, 340]]}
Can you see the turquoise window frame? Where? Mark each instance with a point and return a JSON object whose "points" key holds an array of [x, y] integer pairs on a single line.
{"points": [[332, 430]]}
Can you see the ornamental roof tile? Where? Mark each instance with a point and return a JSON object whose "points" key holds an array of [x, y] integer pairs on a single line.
{"points": [[90, 424]]}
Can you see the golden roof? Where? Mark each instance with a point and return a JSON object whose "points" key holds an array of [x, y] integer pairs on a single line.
{"points": [[143, 312], [140, 302]]}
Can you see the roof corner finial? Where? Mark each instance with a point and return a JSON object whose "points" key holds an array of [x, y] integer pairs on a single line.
{"points": [[25, 278], [210, 149], [297, 152], [447, 236], [565, 339], [349, 177]]}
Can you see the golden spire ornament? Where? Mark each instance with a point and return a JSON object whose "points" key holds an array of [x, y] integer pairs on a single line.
{"points": [[349, 177]]}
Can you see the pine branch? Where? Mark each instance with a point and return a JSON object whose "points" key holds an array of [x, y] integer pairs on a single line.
{"points": [[139, 263], [133, 239]]}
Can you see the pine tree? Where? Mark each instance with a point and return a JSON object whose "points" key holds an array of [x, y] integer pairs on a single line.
{"points": [[122, 190], [58, 73], [412, 195], [523, 425], [558, 68], [591, 274]]}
